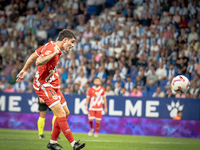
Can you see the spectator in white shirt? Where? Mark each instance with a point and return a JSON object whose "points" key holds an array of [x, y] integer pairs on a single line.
{"points": [[174, 8], [41, 35], [161, 72], [155, 47], [81, 79]]}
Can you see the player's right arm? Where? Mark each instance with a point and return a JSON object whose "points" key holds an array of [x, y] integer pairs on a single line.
{"points": [[28, 63], [41, 60]]}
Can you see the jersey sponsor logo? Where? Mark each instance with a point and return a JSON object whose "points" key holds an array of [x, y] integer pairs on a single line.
{"points": [[47, 52], [55, 97]]}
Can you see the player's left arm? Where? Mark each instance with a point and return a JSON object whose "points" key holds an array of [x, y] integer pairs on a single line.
{"points": [[105, 105], [41, 60]]}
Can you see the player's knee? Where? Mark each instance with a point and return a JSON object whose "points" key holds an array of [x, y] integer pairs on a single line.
{"points": [[98, 121]]}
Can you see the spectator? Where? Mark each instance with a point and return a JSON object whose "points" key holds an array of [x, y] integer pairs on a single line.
{"points": [[109, 92], [124, 92], [177, 95], [117, 88], [9, 89], [197, 68], [67, 90], [161, 72], [139, 83], [171, 72], [192, 35], [158, 93], [179, 115], [194, 90], [169, 93], [136, 92], [8, 67], [153, 78], [76, 89], [2, 86], [81, 79], [101, 74], [129, 84], [20, 87], [13, 78], [3, 83]]}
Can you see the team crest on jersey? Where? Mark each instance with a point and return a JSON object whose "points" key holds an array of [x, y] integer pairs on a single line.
{"points": [[47, 52], [55, 97]]}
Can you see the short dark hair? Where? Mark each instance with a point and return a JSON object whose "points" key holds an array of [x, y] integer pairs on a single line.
{"points": [[65, 33], [97, 78], [179, 112]]}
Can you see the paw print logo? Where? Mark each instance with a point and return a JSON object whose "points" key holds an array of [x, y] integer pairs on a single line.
{"points": [[33, 102], [174, 108]]}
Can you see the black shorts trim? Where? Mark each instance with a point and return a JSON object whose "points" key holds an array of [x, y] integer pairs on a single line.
{"points": [[42, 106]]}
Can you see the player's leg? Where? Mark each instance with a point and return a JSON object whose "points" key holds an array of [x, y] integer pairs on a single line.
{"points": [[91, 116], [61, 111], [98, 116], [41, 120]]}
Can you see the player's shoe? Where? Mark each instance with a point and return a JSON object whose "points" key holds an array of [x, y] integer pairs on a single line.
{"points": [[78, 146], [96, 135], [90, 132], [41, 136], [54, 146]]}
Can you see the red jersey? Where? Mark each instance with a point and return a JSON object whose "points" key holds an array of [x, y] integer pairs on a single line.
{"points": [[96, 98], [47, 74]]}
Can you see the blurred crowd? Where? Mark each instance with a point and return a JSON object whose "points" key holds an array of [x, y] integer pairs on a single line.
{"points": [[135, 47]]}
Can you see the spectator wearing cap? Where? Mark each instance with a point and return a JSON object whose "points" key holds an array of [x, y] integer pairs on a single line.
{"points": [[129, 84]]}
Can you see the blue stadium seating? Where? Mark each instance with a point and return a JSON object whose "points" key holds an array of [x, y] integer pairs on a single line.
{"points": [[153, 88], [163, 82], [92, 10]]}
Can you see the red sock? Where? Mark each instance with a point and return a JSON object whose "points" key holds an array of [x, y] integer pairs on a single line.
{"points": [[97, 127], [56, 130], [65, 129], [91, 124]]}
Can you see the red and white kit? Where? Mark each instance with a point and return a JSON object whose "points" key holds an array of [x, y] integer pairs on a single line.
{"points": [[96, 102], [46, 82]]}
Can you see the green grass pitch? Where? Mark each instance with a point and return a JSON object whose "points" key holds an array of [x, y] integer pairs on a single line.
{"points": [[28, 140]]}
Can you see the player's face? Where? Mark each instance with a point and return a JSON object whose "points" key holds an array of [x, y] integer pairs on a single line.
{"points": [[97, 82], [68, 44]]}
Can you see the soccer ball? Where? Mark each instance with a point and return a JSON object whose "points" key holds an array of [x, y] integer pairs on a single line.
{"points": [[180, 84]]}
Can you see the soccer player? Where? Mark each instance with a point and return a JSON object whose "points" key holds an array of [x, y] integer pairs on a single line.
{"points": [[47, 85], [97, 96], [41, 120]]}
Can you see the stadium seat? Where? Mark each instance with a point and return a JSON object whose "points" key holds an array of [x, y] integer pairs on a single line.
{"points": [[163, 82], [133, 76], [110, 3], [92, 10], [163, 88], [150, 93], [153, 88], [145, 94]]}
